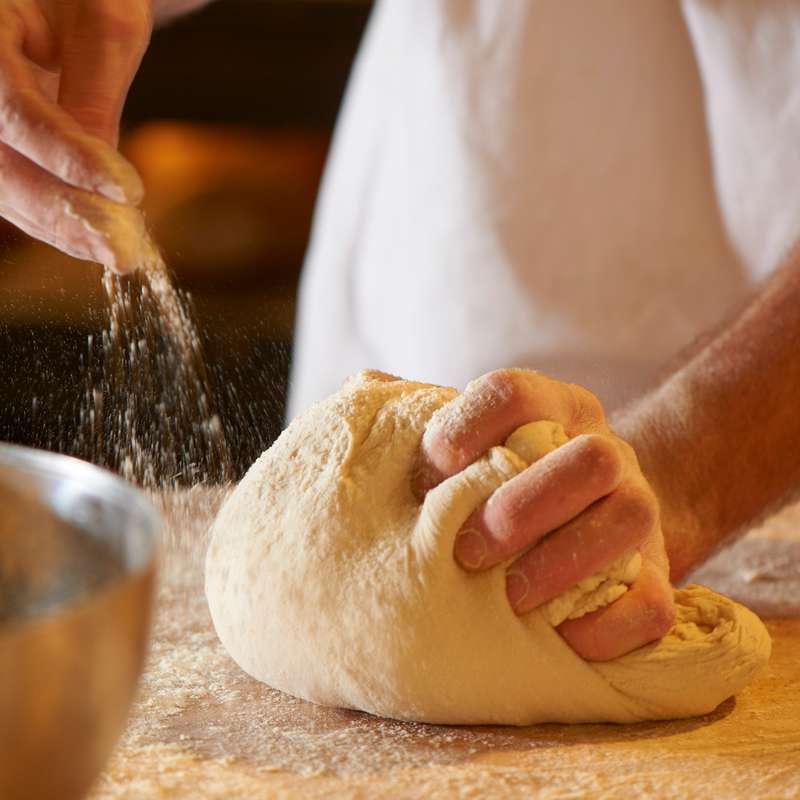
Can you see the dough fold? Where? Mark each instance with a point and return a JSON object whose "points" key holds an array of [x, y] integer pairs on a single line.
{"points": [[327, 579]]}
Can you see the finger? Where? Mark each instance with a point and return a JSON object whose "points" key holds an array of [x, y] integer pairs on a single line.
{"points": [[613, 526], [489, 410], [47, 135], [367, 375], [101, 48], [645, 613], [38, 42], [81, 224], [547, 495]]}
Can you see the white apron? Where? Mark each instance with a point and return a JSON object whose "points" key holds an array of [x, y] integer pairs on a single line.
{"points": [[535, 183]]}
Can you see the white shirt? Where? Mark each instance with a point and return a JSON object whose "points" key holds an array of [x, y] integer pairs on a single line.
{"points": [[540, 183]]}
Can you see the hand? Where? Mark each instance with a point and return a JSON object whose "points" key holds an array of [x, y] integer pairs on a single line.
{"points": [[65, 70], [564, 518]]}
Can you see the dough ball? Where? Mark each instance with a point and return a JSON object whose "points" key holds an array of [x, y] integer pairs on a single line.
{"points": [[328, 579]]}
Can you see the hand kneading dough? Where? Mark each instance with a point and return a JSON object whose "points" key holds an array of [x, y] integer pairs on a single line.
{"points": [[327, 579]]}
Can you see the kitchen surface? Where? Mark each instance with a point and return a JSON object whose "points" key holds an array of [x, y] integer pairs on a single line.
{"points": [[200, 721]]}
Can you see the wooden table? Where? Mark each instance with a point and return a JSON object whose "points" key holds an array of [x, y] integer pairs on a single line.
{"points": [[202, 728]]}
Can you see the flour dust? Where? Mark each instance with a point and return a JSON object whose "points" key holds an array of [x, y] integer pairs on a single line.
{"points": [[148, 411]]}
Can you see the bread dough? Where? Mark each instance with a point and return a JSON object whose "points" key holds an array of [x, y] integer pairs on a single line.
{"points": [[326, 578]]}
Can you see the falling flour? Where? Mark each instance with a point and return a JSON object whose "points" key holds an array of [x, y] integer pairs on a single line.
{"points": [[148, 411]]}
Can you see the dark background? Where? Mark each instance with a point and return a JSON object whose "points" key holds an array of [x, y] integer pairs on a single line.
{"points": [[229, 122]]}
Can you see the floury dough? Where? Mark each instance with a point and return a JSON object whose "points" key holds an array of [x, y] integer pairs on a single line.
{"points": [[326, 578]]}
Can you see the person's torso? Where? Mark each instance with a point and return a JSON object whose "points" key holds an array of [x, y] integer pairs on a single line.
{"points": [[528, 183]]}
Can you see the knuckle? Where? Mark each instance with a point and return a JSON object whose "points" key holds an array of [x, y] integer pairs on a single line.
{"points": [[520, 392], [638, 507], [600, 459], [626, 450], [121, 23], [589, 408], [503, 382], [661, 614], [501, 390]]}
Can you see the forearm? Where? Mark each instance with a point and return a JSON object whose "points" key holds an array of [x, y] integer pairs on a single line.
{"points": [[165, 10], [719, 439]]}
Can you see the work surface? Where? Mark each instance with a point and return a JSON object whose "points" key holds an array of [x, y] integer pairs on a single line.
{"points": [[203, 728]]}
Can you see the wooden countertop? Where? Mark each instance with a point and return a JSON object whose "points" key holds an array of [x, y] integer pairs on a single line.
{"points": [[203, 728]]}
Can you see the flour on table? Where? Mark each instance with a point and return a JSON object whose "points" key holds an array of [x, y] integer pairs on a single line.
{"points": [[328, 579]]}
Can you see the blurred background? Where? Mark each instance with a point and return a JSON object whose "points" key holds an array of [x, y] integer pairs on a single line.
{"points": [[228, 122]]}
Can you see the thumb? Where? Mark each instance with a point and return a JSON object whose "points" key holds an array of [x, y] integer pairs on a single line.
{"points": [[102, 43]]}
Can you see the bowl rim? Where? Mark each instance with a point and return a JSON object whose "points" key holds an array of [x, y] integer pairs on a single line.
{"points": [[33, 459], [93, 479], [95, 482]]}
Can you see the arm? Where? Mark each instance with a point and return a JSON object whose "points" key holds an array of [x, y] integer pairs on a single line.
{"points": [[718, 442], [719, 439]]}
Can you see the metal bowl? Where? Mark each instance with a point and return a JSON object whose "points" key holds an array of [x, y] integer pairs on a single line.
{"points": [[77, 565]]}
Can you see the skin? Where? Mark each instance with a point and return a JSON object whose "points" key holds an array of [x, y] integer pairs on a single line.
{"points": [[719, 439], [65, 70], [566, 517], [718, 446]]}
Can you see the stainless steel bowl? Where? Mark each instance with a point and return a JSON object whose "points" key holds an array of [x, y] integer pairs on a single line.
{"points": [[77, 565]]}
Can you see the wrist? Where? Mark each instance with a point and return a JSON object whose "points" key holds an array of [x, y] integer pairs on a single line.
{"points": [[657, 430]]}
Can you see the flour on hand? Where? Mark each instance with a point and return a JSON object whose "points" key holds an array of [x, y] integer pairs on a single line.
{"points": [[328, 579]]}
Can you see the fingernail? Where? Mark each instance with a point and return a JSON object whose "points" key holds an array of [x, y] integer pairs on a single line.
{"points": [[127, 188], [516, 588], [132, 186], [470, 549], [111, 191]]}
